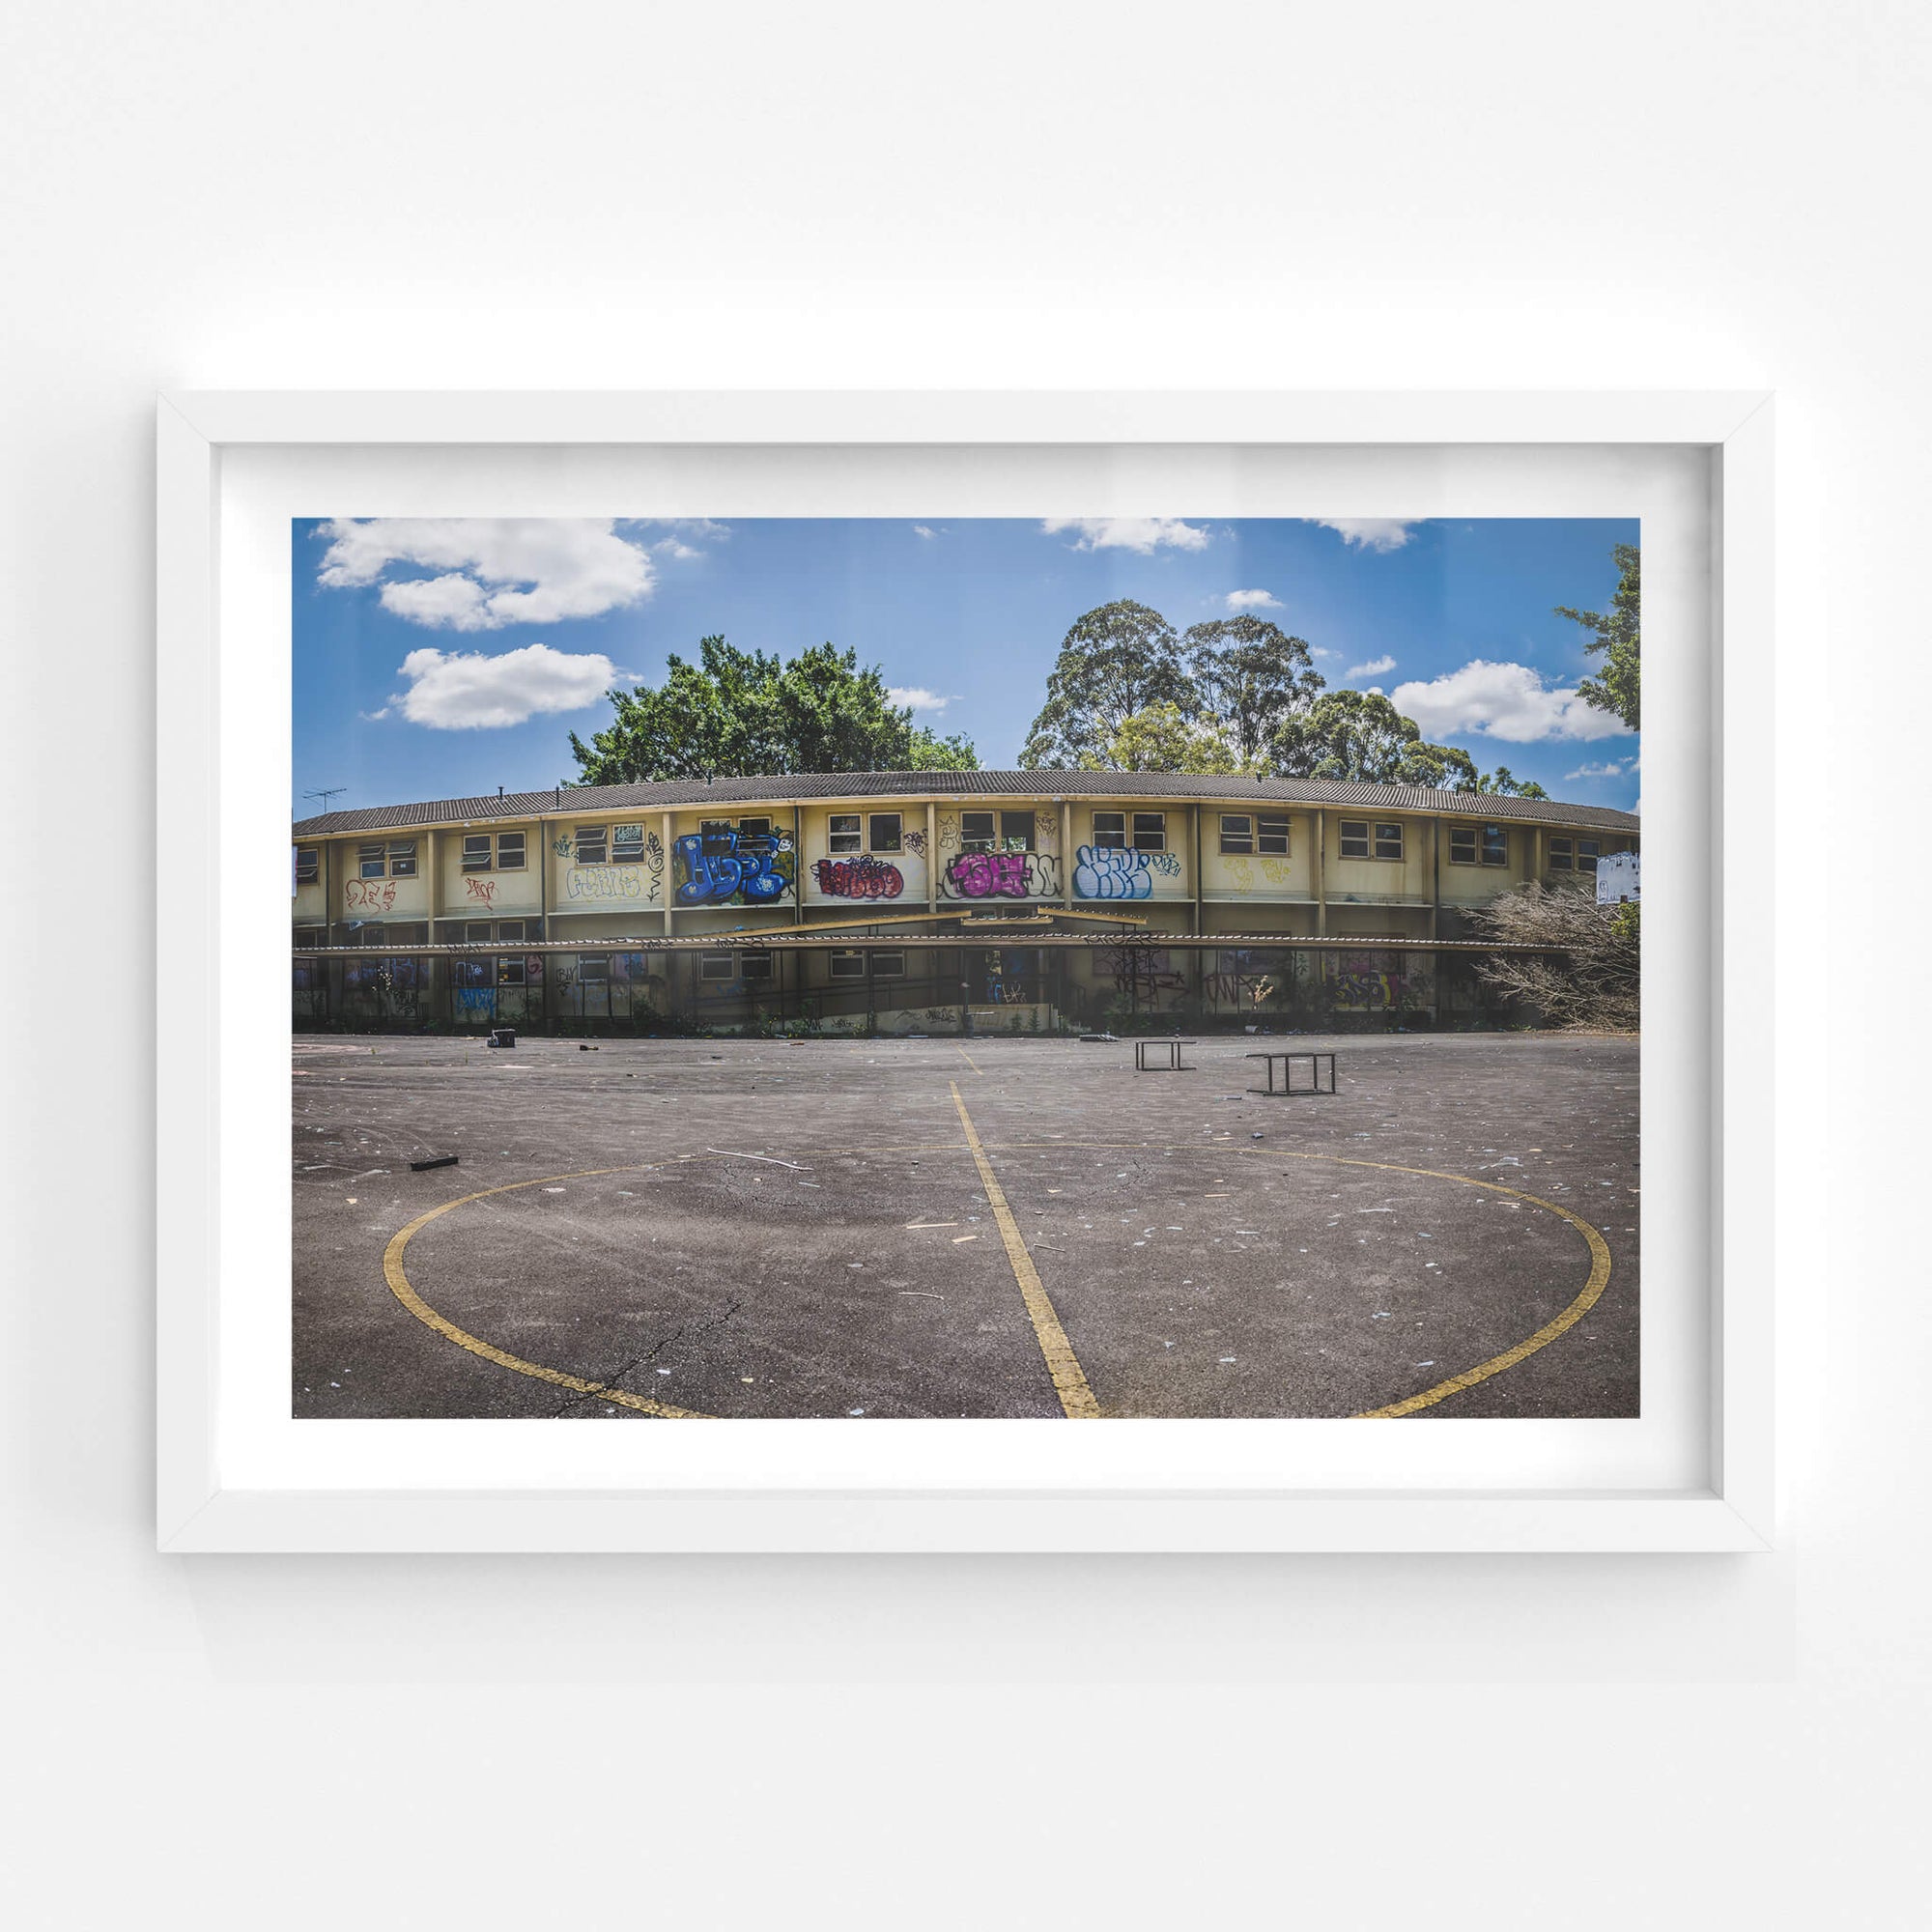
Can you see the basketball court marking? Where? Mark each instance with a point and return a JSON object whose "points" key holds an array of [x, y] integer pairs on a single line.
{"points": [[968, 1059], [1076, 1395]]}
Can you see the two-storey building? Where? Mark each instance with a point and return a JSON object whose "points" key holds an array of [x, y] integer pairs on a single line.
{"points": [[919, 901]]}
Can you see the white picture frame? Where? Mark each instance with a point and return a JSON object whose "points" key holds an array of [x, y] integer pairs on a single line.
{"points": [[200, 1504]]}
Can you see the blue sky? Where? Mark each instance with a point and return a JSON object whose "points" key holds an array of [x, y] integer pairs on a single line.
{"points": [[440, 658]]}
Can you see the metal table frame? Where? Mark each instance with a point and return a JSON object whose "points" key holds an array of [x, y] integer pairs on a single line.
{"points": [[1288, 1056], [1173, 1044]]}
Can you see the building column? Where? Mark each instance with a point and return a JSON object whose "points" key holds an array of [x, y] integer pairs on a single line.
{"points": [[931, 860], [1066, 851], [1435, 877], [1321, 872], [670, 875]]}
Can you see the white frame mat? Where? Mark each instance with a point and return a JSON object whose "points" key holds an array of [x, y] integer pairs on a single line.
{"points": [[227, 1483]]}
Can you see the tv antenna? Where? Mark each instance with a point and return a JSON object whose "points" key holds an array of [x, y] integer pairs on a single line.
{"points": [[325, 793]]}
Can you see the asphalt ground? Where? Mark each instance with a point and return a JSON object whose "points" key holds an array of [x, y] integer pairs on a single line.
{"points": [[731, 1227]]}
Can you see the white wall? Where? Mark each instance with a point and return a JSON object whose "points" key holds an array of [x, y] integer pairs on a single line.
{"points": [[489, 194]]}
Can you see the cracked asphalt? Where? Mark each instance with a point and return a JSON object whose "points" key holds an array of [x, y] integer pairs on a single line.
{"points": [[775, 1229]]}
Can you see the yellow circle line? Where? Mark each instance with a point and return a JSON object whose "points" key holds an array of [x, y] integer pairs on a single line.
{"points": [[1557, 1325]]}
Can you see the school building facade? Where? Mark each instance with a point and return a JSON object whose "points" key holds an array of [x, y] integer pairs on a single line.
{"points": [[919, 902]]}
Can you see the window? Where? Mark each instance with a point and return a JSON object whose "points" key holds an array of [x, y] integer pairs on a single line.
{"points": [[1016, 829], [847, 966], [509, 851], [1110, 830], [888, 965], [477, 933], [372, 862], [883, 833], [509, 971], [403, 859], [754, 828], [1495, 846], [714, 966], [476, 852], [411, 933], [1237, 832], [308, 864], [513, 929], [1354, 837], [593, 966], [1149, 832], [976, 831], [1388, 841], [593, 846], [627, 844], [843, 835], [755, 965], [1562, 855], [1588, 852], [1271, 835], [310, 936]]}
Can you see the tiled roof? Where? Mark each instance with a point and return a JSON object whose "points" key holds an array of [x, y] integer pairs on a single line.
{"points": [[589, 801]]}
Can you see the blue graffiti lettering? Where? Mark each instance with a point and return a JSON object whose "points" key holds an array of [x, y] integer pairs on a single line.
{"points": [[1109, 872], [715, 866]]}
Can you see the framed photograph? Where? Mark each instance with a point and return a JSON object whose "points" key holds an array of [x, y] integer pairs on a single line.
{"points": [[896, 923]]}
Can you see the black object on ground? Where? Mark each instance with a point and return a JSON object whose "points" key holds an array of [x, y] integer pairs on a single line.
{"points": [[503, 1037], [437, 1160]]}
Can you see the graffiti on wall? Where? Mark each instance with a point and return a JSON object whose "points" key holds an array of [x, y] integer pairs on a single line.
{"points": [[915, 841], [1109, 872], [859, 878], [483, 891], [1362, 986], [475, 999], [723, 866], [374, 895], [1143, 974], [605, 882], [1013, 875]]}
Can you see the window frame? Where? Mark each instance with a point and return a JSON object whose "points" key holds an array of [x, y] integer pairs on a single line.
{"points": [[978, 841], [845, 833], [1286, 821], [1561, 854], [708, 961], [763, 970], [521, 844], [621, 853], [873, 841], [1028, 839], [845, 957], [1379, 827], [1111, 838], [1496, 851], [401, 858], [1150, 839], [1237, 844], [479, 852], [376, 866], [876, 971], [1589, 855], [308, 874], [600, 843]]}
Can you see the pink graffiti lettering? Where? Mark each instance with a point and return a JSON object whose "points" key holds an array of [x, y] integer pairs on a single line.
{"points": [[858, 878], [978, 875], [482, 889], [379, 894]]}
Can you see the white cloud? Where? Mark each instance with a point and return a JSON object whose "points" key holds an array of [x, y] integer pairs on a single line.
{"points": [[1252, 600], [1321, 651], [916, 697], [466, 690], [1502, 700], [1374, 668], [921, 530], [492, 572], [1603, 768], [1145, 534], [1371, 533]]}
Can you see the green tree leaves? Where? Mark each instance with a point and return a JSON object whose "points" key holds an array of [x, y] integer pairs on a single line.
{"points": [[747, 713], [1617, 632]]}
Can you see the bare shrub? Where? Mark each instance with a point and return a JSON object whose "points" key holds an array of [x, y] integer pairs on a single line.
{"points": [[1594, 982]]}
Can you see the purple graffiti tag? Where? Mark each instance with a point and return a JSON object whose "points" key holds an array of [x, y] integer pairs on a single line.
{"points": [[858, 878], [978, 875]]}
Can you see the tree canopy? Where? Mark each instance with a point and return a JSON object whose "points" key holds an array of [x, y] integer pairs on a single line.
{"points": [[742, 713], [1116, 661], [1163, 738], [1361, 736], [1250, 674], [1617, 686]]}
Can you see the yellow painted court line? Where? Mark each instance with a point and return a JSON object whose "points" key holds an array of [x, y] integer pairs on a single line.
{"points": [[967, 1058], [1076, 1397], [1557, 1325]]}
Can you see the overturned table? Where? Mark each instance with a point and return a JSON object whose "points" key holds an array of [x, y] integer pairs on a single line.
{"points": [[1287, 1056], [1173, 1044]]}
